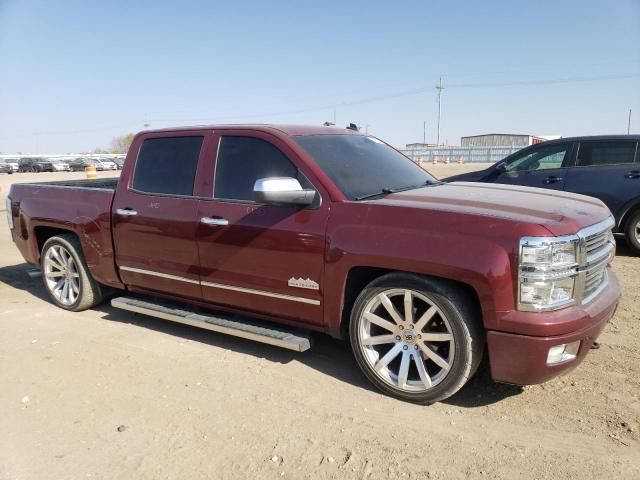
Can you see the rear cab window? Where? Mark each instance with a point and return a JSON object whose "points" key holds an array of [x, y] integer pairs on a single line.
{"points": [[167, 166], [606, 153]]}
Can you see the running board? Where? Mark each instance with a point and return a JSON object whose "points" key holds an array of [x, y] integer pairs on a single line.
{"points": [[237, 327]]}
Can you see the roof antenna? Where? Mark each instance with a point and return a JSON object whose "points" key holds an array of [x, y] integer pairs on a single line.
{"points": [[353, 126]]}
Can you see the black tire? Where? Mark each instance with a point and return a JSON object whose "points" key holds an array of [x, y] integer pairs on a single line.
{"points": [[464, 325], [90, 291], [632, 231]]}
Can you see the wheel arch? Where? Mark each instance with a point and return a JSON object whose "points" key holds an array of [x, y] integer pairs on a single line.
{"points": [[42, 233], [358, 277], [627, 211]]}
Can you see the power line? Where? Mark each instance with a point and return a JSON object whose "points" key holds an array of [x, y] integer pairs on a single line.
{"points": [[361, 101]]}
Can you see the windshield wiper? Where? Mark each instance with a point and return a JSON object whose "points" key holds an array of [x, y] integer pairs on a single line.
{"points": [[388, 190]]}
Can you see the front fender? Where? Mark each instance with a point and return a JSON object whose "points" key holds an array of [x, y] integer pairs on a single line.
{"points": [[484, 263]]}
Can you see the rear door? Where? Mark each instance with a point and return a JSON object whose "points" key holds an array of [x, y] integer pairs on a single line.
{"points": [[607, 170], [262, 258], [544, 166], [155, 216]]}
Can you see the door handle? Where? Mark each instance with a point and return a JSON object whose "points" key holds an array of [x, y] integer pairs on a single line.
{"points": [[127, 212], [632, 174], [215, 221], [552, 179]]}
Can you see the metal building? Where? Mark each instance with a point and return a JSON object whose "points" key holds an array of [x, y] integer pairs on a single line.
{"points": [[500, 140]]}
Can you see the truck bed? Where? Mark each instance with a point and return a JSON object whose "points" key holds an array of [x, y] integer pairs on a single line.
{"points": [[82, 207], [100, 183]]}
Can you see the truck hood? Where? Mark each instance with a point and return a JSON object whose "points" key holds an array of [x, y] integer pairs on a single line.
{"points": [[561, 213]]}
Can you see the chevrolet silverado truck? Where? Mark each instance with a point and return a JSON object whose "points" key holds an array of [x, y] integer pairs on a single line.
{"points": [[275, 232]]}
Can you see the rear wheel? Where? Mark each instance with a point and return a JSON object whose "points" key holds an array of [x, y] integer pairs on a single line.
{"points": [[632, 232], [414, 338], [66, 276]]}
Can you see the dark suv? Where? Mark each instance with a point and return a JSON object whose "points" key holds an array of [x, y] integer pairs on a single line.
{"points": [[79, 164], [34, 164], [605, 167]]}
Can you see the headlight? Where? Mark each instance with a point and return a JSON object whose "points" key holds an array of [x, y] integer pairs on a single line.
{"points": [[9, 212], [548, 268]]}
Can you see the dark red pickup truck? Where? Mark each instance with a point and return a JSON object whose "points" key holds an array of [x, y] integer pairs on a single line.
{"points": [[268, 232]]}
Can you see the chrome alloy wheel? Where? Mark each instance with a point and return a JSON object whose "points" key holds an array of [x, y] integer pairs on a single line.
{"points": [[61, 275], [637, 231], [412, 351]]}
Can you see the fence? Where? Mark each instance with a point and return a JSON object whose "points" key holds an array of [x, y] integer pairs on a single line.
{"points": [[453, 154]]}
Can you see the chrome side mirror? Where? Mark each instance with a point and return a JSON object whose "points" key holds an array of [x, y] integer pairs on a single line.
{"points": [[282, 191]]}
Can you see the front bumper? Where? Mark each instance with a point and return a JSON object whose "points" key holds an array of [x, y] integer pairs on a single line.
{"points": [[522, 359]]}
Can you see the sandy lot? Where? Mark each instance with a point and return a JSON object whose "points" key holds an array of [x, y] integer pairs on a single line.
{"points": [[108, 394]]}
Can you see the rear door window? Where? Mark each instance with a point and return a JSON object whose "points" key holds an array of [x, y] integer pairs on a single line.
{"points": [[606, 153], [167, 166]]}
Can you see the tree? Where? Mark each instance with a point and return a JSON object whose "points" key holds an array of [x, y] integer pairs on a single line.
{"points": [[122, 143]]}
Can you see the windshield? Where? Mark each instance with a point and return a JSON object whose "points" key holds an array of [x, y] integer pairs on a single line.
{"points": [[362, 166]]}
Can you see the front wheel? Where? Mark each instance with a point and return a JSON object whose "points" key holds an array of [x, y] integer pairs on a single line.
{"points": [[415, 338], [66, 276], [632, 232]]}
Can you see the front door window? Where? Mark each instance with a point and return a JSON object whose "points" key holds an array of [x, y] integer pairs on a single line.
{"points": [[543, 158]]}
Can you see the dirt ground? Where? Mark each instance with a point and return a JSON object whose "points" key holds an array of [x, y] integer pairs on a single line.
{"points": [[107, 394]]}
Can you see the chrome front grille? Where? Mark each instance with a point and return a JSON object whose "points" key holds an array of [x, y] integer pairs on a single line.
{"points": [[598, 246], [595, 242], [594, 280]]}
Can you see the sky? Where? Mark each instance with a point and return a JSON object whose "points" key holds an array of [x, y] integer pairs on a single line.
{"points": [[75, 74]]}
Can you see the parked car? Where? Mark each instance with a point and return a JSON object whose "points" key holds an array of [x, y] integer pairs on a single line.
{"points": [[118, 161], [60, 166], [319, 229], [79, 164], [35, 164], [605, 167], [9, 165], [106, 164]]}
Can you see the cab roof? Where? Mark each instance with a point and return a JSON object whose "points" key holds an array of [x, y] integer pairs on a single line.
{"points": [[601, 138], [293, 130]]}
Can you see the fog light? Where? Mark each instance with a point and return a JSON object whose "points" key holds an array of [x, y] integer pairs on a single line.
{"points": [[563, 353]]}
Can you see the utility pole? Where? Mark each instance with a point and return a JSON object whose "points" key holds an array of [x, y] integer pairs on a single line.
{"points": [[629, 123], [439, 87], [424, 132], [334, 116]]}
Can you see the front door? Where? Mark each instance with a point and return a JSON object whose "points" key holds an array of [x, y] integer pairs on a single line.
{"points": [[543, 167], [155, 217], [261, 258], [606, 170]]}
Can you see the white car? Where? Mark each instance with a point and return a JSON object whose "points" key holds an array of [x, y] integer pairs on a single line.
{"points": [[9, 166], [107, 165], [60, 167]]}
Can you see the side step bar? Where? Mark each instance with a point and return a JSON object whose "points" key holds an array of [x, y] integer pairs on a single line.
{"points": [[218, 323]]}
